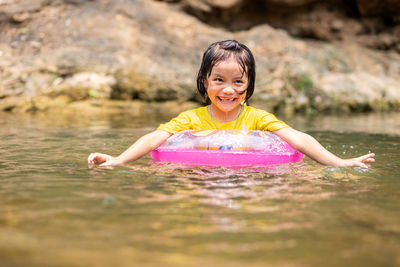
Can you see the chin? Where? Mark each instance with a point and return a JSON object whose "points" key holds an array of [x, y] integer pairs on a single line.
{"points": [[227, 109]]}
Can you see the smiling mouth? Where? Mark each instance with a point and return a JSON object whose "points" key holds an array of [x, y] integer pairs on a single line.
{"points": [[226, 100]]}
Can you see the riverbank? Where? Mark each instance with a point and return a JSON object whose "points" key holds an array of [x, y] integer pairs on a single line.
{"points": [[56, 55]]}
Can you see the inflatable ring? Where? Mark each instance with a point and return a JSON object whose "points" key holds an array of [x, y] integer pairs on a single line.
{"points": [[226, 148]]}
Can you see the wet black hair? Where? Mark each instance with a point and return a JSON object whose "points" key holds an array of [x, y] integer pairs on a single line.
{"points": [[223, 50]]}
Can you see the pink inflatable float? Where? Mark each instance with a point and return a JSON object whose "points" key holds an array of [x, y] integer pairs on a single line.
{"points": [[226, 148]]}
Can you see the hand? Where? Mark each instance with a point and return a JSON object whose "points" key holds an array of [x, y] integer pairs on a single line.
{"points": [[103, 160], [359, 161]]}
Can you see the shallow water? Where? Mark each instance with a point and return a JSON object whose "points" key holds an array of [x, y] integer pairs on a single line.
{"points": [[55, 211]]}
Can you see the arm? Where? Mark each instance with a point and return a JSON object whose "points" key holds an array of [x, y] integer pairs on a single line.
{"points": [[141, 147], [307, 144]]}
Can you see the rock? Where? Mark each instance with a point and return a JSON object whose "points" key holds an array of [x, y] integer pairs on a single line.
{"points": [[84, 85], [361, 90], [217, 12], [134, 85], [208, 5], [21, 17], [378, 7], [289, 3], [151, 51], [19, 7], [322, 20]]}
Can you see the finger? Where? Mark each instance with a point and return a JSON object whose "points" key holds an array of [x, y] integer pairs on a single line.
{"points": [[90, 158], [97, 158], [366, 157], [362, 165], [369, 160], [370, 155], [106, 165]]}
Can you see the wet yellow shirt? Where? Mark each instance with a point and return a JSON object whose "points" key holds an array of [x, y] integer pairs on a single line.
{"points": [[199, 119]]}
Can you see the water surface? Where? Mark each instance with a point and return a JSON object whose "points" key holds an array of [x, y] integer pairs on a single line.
{"points": [[55, 211]]}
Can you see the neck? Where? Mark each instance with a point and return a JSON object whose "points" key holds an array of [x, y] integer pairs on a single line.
{"points": [[224, 117]]}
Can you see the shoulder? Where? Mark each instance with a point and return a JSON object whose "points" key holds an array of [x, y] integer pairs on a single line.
{"points": [[196, 112], [255, 111], [199, 110]]}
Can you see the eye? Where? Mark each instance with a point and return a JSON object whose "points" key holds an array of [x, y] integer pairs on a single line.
{"points": [[218, 79], [239, 81]]}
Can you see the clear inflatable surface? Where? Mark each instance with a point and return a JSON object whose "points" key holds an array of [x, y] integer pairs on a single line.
{"points": [[227, 140], [226, 148]]}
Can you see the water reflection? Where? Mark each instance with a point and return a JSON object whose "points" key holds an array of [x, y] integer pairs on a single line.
{"points": [[286, 191]]}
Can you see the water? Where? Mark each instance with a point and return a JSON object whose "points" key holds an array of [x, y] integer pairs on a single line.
{"points": [[55, 211]]}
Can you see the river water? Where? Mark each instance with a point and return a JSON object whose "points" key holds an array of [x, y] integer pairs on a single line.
{"points": [[55, 211]]}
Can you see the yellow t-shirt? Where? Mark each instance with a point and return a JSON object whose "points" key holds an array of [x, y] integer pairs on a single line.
{"points": [[199, 119]]}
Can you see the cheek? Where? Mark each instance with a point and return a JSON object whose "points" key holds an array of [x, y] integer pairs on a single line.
{"points": [[242, 97], [210, 93]]}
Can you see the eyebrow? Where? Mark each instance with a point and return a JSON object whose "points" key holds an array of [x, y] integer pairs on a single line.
{"points": [[237, 77]]}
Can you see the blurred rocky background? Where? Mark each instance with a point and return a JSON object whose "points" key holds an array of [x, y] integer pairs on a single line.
{"points": [[139, 55]]}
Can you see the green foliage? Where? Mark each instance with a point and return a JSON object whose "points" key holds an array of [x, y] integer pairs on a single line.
{"points": [[93, 94], [303, 84], [303, 96]]}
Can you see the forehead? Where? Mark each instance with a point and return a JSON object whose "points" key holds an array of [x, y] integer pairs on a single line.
{"points": [[228, 65]]}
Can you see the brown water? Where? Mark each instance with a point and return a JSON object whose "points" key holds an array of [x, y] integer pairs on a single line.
{"points": [[55, 211]]}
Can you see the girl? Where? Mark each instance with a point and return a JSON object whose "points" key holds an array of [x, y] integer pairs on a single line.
{"points": [[226, 81]]}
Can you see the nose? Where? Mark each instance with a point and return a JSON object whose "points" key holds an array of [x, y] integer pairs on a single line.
{"points": [[228, 90]]}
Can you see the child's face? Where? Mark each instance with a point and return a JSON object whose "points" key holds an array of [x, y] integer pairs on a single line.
{"points": [[226, 85]]}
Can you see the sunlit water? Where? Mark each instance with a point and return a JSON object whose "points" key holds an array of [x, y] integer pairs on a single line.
{"points": [[55, 211]]}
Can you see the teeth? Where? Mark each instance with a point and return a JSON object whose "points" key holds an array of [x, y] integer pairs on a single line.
{"points": [[226, 100]]}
